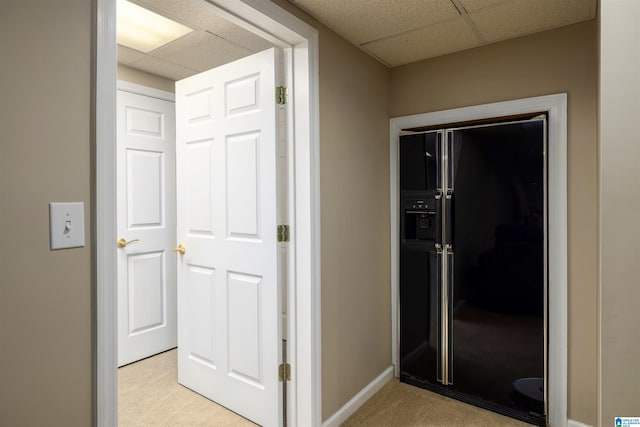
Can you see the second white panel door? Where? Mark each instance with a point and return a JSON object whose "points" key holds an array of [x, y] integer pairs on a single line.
{"points": [[146, 226]]}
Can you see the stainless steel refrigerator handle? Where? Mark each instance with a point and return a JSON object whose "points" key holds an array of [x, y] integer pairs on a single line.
{"points": [[446, 333], [449, 164], [449, 304], [444, 321], [444, 276], [447, 283]]}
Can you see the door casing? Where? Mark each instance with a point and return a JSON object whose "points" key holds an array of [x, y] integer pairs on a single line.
{"points": [[303, 296], [555, 106]]}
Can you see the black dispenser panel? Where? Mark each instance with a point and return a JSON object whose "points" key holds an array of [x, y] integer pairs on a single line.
{"points": [[420, 219]]}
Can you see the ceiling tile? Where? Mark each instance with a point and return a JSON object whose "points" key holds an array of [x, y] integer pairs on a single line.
{"points": [[519, 17], [362, 21], [188, 12], [435, 40], [199, 14], [162, 68], [126, 55], [201, 51]]}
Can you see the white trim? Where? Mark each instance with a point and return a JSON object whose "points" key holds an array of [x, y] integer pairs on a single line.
{"points": [[556, 108], [264, 20], [104, 223], [146, 91], [276, 24], [349, 408], [574, 423]]}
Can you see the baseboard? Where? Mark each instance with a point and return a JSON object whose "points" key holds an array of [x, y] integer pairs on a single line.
{"points": [[573, 423], [359, 399]]}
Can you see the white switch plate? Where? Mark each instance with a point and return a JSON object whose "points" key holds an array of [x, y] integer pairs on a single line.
{"points": [[66, 225]]}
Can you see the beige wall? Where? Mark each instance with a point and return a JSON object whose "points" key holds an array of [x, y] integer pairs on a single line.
{"points": [[132, 75], [45, 296], [354, 173], [619, 207], [562, 60]]}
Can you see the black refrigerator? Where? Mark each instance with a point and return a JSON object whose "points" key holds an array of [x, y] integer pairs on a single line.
{"points": [[473, 265]]}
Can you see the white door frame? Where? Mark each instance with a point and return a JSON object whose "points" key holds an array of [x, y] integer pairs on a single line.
{"points": [[556, 108], [279, 26], [145, 91]]}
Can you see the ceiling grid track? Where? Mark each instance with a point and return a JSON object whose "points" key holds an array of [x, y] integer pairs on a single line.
{"points": [[461, 9]]}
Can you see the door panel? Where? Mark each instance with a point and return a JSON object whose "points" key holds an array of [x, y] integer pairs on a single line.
{"points": [[145, 188], [229, 286], [201, 322], [146, 299], [245, 332], [146, 217], [242, 185], [197, 158]]}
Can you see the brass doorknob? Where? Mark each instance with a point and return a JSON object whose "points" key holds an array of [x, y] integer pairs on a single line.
{"points": [[122, 242], [180, 249]]}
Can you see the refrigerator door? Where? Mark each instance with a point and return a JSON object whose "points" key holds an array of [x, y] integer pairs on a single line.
{"points": [[496, 219]]}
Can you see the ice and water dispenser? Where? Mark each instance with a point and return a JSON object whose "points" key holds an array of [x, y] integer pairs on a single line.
{"points": [[420, 219]]}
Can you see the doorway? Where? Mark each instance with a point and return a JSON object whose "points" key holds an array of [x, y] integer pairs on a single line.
{"points": [[554, 107], [223, 144], [273, 23]]}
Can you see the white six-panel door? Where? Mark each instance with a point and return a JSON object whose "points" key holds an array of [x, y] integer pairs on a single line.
{"points": [[146, 218], [229, 305]]}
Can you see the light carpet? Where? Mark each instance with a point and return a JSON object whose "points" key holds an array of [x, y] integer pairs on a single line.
{"points": [[402, 405], [149, 395]]}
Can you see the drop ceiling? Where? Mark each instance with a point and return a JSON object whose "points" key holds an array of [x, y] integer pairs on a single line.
{"points": [[399, 32], [395, 32], [214, 41]]}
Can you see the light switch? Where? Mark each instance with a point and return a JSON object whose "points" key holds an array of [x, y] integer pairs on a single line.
{"points": [[66, 224]]}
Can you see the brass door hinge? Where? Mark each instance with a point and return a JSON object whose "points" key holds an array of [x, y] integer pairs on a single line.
{"points": [[282, 95], [283, 233], [284, 372]]}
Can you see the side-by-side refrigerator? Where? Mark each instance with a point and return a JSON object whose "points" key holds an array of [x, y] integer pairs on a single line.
{"points": [[473, 265]]}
